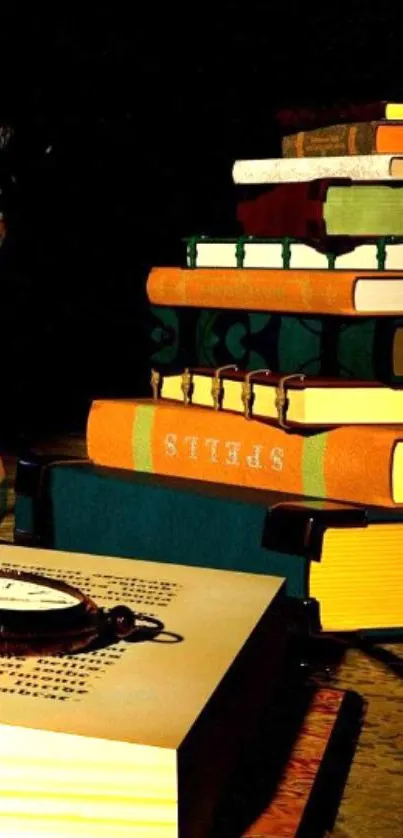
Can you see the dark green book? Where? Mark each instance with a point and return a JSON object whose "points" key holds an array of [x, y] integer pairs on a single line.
{"points": [[367, 349], [314, 544]]}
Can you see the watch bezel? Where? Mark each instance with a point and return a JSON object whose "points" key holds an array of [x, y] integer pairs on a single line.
{"points": [[52, 630]]}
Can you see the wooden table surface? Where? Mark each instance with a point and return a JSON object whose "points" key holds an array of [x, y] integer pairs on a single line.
{"points": [[372, 805]]}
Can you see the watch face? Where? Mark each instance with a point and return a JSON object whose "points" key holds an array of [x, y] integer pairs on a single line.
{"points": [[20, 595]]}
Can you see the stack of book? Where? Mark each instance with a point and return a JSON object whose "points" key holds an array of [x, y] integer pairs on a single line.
{"points": [[287, 218], [292, 478], [321, 230], [284, 468]]}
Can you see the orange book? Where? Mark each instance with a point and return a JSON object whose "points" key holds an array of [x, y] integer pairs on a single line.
{"points": [[353, 463], [299, 291]]}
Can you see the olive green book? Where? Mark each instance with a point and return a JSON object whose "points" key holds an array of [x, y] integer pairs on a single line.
{"points": [[364, 210]]}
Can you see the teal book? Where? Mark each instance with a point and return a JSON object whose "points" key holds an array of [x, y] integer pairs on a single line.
{"points": [[321, 548], [367, 349]]}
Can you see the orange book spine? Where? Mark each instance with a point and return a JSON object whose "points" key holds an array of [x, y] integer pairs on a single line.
{"points": [[389, 138], [261, 289], [347, 463]]}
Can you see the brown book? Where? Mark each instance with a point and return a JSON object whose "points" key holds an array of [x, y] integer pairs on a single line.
{"points": [[348, 139]]}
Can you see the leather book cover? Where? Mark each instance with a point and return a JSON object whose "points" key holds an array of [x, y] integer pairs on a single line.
{"points": [[333, 140]]}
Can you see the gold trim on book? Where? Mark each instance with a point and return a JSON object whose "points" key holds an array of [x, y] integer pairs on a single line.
{"points": [[247, 391], [217, 389], [352, 139], [281, 401], [156, 381]]}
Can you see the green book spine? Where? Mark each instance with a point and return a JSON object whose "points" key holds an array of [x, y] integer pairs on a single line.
{"points": [[364, 211]]}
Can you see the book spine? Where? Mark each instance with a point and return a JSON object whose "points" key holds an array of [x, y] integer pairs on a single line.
{"points": [[359, 167], [347, 464], [299, 291], [332, 141]]}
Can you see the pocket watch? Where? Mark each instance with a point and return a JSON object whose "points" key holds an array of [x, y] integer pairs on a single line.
{"points": [[43, 616]]}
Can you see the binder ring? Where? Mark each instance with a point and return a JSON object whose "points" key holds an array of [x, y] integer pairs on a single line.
{"points": [[247, 391], [281, 401], [187, 386], [217, 389], [155, 382]]}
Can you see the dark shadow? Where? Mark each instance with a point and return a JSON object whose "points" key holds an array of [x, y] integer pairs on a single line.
{"points": [[159, 636], [320, 653], [255, 783], [168, 637]]}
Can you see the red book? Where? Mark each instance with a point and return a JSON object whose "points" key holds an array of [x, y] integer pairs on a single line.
{"points": [[301, 119], [289, 209]]}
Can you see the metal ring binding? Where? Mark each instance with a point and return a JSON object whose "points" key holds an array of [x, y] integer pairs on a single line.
{"points": [[187, 386], [156, 381], [217, 389], [281, 401], [247, 391]]}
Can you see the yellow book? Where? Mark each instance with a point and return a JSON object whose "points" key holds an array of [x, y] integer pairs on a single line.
{"points": [[137, 738], [292, 399]]}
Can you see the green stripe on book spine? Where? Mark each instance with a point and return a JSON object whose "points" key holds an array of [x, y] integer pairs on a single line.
{"points": [[312, 466], [141, 439]]}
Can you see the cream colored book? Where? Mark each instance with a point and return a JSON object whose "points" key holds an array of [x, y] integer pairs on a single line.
{"points": [[138, 738], [293, 169], [292, 400], [265, 253]]}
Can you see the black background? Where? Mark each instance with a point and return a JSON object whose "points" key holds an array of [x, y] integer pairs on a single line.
{"points": [[126, 126]]}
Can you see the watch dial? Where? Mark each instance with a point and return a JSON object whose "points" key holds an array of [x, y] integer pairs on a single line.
{"points": [[18, 595]]}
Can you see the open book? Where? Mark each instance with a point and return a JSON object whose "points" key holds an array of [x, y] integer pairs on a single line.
{"points": [[138, 738]]}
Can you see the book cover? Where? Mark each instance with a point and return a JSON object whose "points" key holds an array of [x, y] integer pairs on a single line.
{"points": [[297, 291], [360, 167], [290, 400], [320, 547], [323, 210], [350, 138], [358, 464], [366, 348], [326, 725]]}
